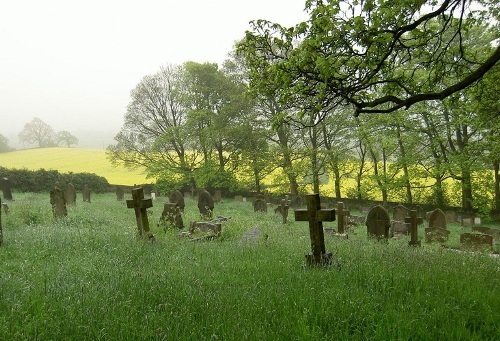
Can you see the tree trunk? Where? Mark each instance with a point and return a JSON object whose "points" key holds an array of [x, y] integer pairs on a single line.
{"points": [[466, 190]]}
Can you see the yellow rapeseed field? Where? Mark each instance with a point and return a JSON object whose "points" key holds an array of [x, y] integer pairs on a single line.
{"points": [[75, 160]]}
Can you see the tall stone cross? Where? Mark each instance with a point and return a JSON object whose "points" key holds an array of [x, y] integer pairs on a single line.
{"points": [[414, 222], [315, 216], [139, 204]]}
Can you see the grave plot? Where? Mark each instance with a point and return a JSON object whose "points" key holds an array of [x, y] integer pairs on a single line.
{"points": [[140, 206]]}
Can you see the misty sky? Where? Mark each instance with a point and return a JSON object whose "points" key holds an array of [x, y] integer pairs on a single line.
{"points": [[73, 63]]}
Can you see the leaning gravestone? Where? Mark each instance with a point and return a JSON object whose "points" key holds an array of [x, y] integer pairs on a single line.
{"points": [[7, 192], [378, 223], [316, 216], [86, 193], [58, 202], [260, 205], [171, 216], [70, 194], [140, 206], [176, 197], [119, 193], [205, 204], [437, 230]]}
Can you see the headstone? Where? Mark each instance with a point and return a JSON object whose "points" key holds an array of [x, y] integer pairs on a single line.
{"points": [[398, 220], [477, 221], [467, 221], [260, 205], [119, 193], [450, 216], [58, 202], [86, 193], [251, 237], [205, 204], [70, 194], [315, 216], [176, 197], [343, 215], [282, 209], [140, 206], [171, 216], [495, 233], [217, 196], [238, 198], [476, 241], [203, 230], [153, 195], [437, 219], [378, 223], [413, 222], [7, 192], [399, 213]]}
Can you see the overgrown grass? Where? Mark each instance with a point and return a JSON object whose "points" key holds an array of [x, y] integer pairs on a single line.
{"points": [[87, 278]]}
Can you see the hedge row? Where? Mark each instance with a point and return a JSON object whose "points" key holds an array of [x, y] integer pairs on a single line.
{"points": [[42, 180]]}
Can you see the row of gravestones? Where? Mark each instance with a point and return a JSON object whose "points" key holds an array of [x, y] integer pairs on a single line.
{"points": [[59, 199]]}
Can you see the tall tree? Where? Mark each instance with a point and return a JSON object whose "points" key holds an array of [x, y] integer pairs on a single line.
{"points": [[4, 144], [37, 132], [65, 138]]}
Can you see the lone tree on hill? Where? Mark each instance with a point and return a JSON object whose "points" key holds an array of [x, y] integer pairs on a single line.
{"points": [[65, 138], [37, 132]]}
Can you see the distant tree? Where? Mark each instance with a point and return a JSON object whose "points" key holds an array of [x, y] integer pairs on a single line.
{"points": [[65, 138], [37, 132], [4, 144]]}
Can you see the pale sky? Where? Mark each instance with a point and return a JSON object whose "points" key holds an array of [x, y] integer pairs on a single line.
{"points": [[73, 63]]}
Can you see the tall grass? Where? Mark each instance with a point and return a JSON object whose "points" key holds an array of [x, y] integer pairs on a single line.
{"points": [[87, 278]]}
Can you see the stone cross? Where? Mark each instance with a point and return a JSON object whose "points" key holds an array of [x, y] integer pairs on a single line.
{"points": [[139, 204], [342, 217], [315, 216], [414, 222]]}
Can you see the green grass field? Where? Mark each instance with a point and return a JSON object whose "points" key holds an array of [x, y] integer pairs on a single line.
{"points": [[75, 160], [86, 277]]}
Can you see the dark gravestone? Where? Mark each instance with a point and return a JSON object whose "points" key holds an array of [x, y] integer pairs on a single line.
{"points": [[119, 193], [413, 221], [283, 209], [437, 218], [70, 194], [315, 216], [171, 216], [140, 206], [476, 241], [260, 205], [58, 202], [205, 204], [437, 230], [176, 197], [7, 192], [378, 223], [343, 216], [86, 193]]}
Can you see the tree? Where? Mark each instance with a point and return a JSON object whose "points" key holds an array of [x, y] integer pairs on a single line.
{"points": [[65, 138], [357, 53], [4, 144], [37, 132]]}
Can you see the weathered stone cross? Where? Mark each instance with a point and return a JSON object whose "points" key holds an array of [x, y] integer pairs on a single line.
{"points": [[315, 216], [413, 221], [139, 204]]}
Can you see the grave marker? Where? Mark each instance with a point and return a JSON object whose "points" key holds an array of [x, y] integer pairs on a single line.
{"points": [[119, 193], [171, 216], [177, 198], [238, 198], [315, 216], [205, 204], [343, 215], [58, 202], [70, 194], [413, 222], [283, 209], [398, 220], [140, 206], [476, 241], [437, 230], [260, 205], [86, 193], [378, 223], [217, 196], [7, 192]]}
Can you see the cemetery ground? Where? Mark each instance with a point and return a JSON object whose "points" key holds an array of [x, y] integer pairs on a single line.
{"points": [[86, 277]]}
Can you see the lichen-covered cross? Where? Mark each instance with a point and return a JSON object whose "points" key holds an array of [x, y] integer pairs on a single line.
{"points": [[414, 222], [140, 205], [315, 216]]}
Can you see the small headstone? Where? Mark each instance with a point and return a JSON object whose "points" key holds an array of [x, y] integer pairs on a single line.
{"points": [[58, 202], [176, 197], [238, 198], [450, 216], [86, 193], [467, 221], [436, 234], [282, 209], [477, 221], [413, 221], [316, 216], [378, 223], [140, 206], [70, 194], [400, 227], [476, 241], [437, 219], [495, 233], [399, 213], [217, 196], [205, 204], [260, 205], [119, 193], [153, 195], [251, 237], [398, 220], [171, 216], [202, 230], [7, 192]]}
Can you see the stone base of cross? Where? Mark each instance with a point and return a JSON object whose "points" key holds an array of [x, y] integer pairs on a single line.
{"points": [[414, 222], [315, 216], [140, 205]]}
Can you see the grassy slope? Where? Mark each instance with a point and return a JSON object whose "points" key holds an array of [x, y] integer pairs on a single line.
{"points": [[74, 160], [87, 278]]}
